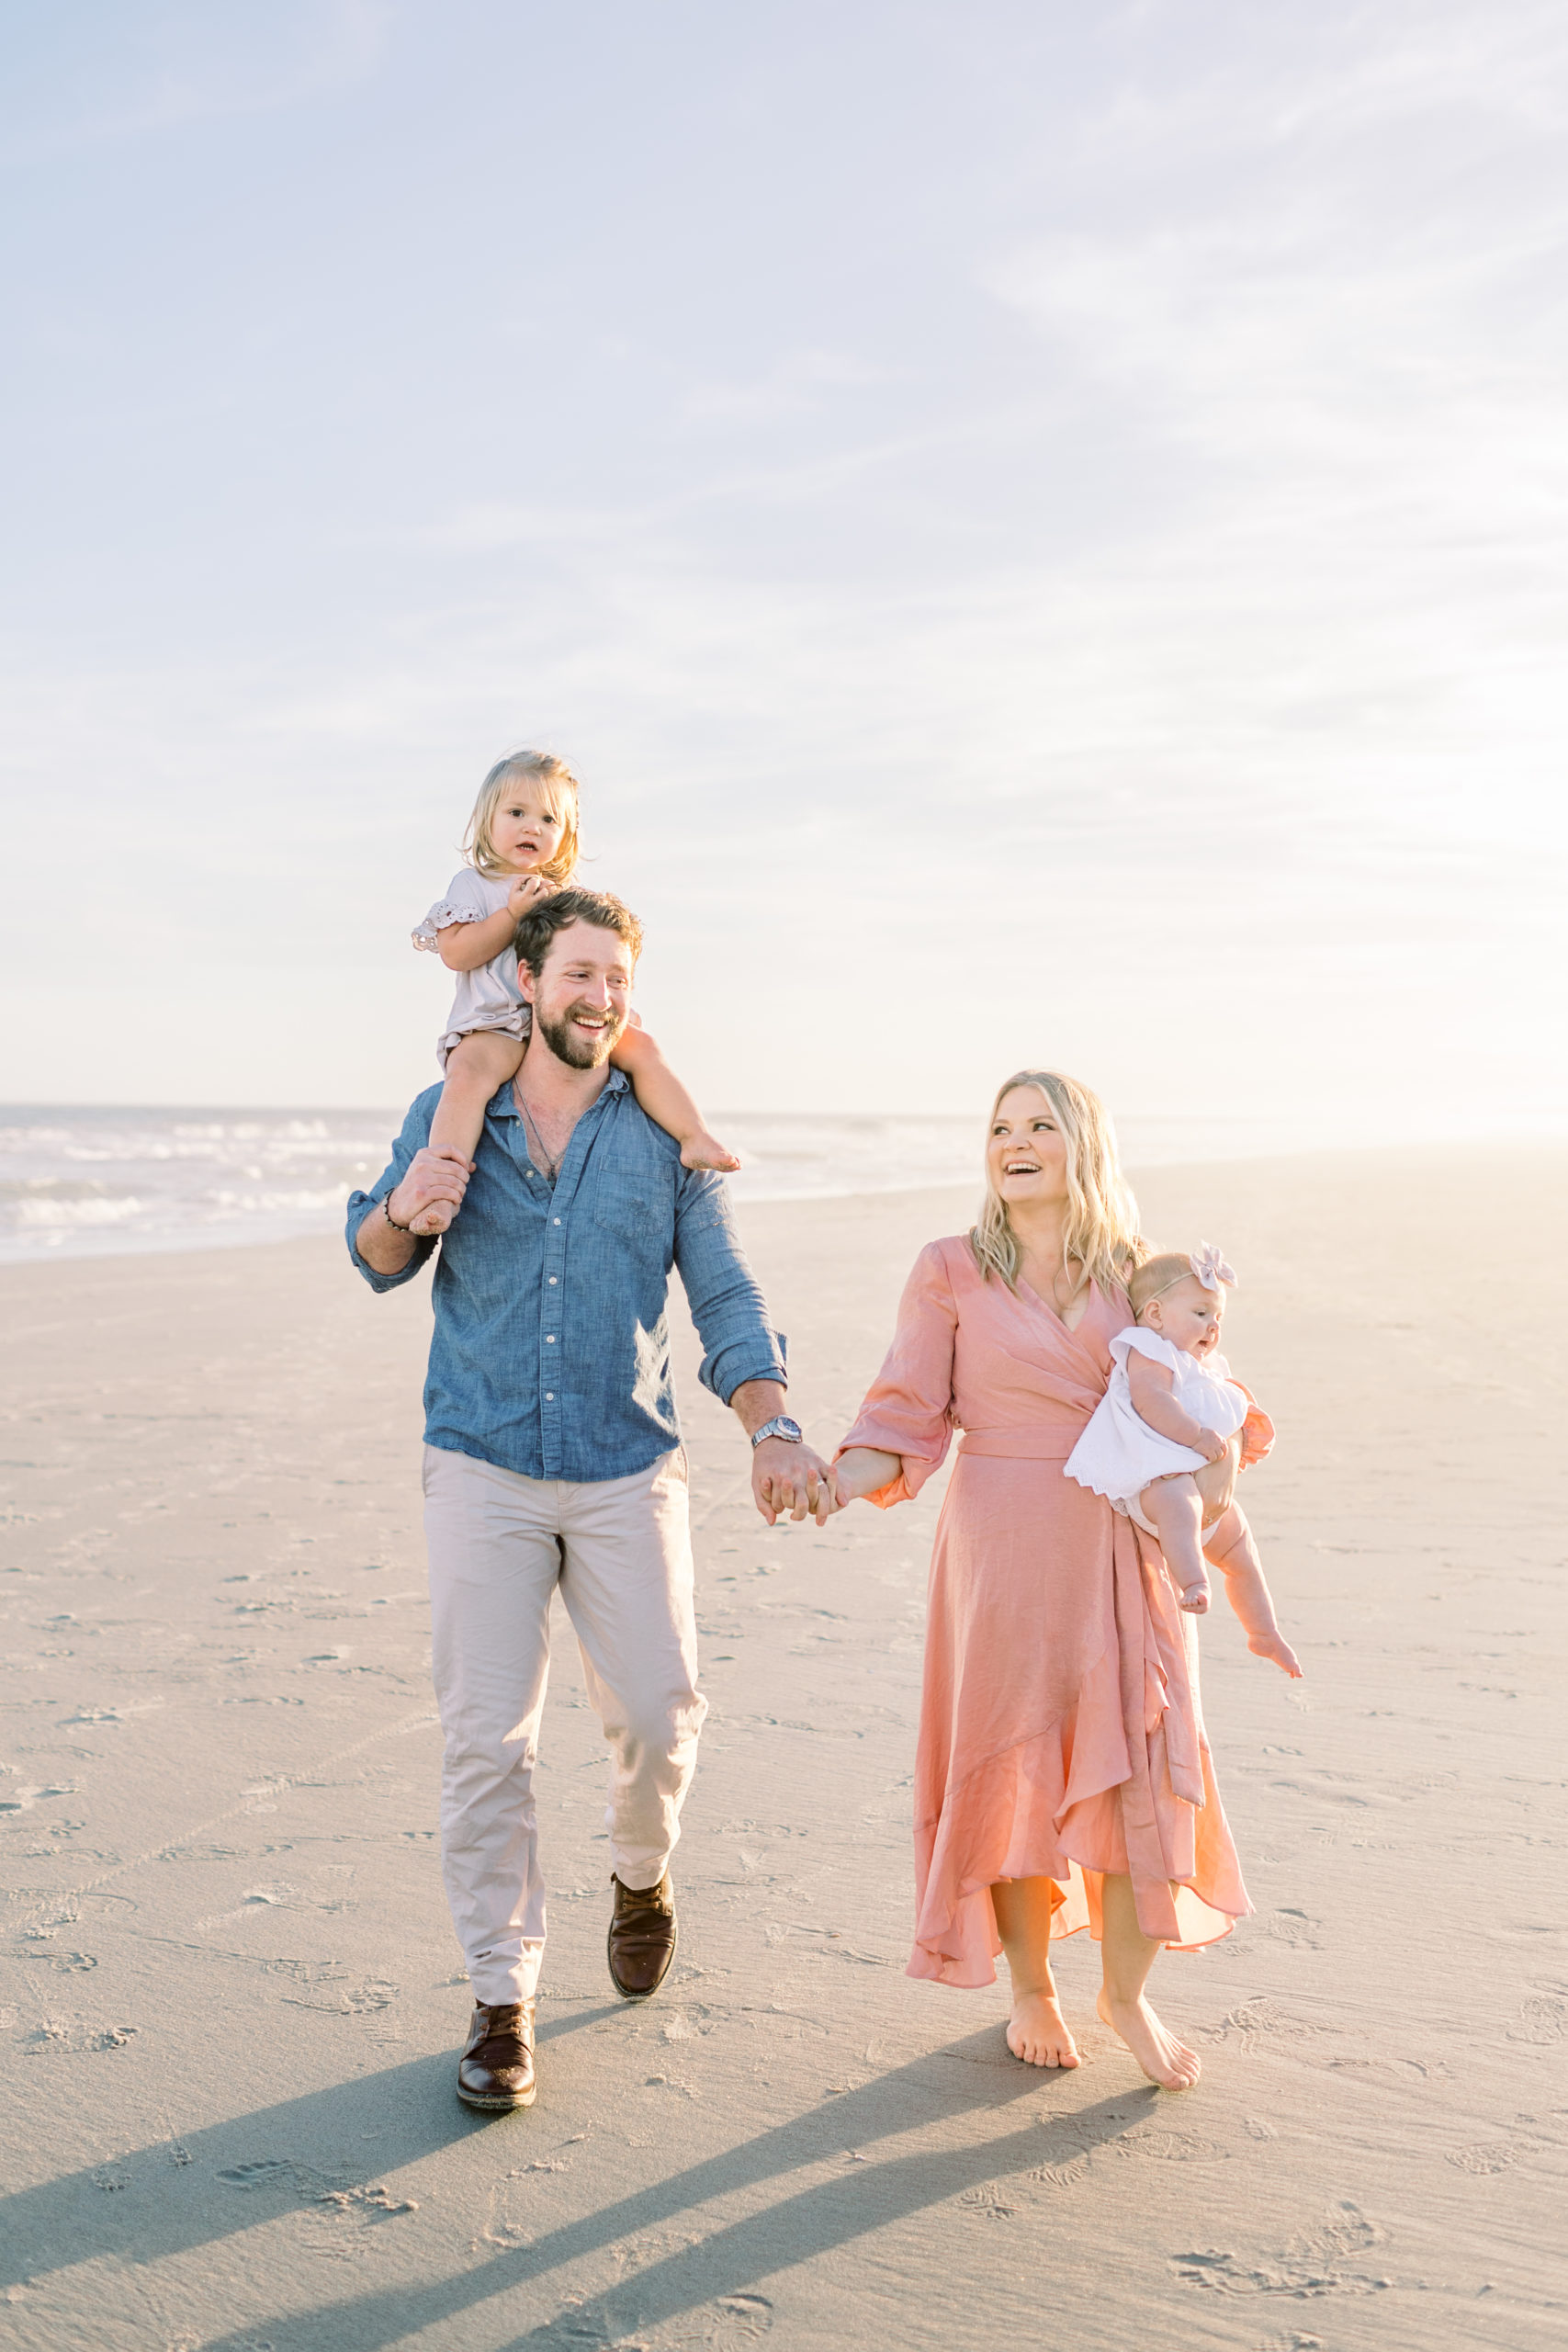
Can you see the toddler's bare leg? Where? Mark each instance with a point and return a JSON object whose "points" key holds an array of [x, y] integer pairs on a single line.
{"points": [[1177, 1511], [476, 1065], [661, 1093], [1230, 1545]]}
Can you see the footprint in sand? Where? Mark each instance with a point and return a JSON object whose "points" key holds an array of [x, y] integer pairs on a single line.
{"points": [[1288, 1926], [1484, 2157]]}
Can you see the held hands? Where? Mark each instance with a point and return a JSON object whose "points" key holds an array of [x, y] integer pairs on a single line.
{"points": [[820, 1488], [435, 1179], [792, 1482]]}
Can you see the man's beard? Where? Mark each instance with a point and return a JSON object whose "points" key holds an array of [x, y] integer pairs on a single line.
{"points": [[570, 1045]]}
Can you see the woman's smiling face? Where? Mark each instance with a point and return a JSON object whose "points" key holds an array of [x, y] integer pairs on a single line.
{"points": [[1026, 1153]]}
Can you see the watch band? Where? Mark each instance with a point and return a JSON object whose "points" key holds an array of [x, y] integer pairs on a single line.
{"points": [[780, 1426]]}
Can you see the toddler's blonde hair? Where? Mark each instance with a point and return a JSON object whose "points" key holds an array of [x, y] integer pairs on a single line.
{"points": [[539, 767], [1101, 1230]]}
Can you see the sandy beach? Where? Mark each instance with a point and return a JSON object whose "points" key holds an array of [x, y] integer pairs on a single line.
{"points": [[233, 1998]]}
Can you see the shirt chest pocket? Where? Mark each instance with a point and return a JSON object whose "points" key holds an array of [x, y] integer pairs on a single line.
{"points": [[635, 1205]]}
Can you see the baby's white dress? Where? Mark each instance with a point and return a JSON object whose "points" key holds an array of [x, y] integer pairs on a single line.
{"points": [[489, 998], [1118, 1454]]}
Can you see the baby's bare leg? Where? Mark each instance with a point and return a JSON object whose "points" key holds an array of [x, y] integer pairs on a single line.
{"points": [[1176, 1509], [1216, 1481], [1231, 1548], [476, 1065]]}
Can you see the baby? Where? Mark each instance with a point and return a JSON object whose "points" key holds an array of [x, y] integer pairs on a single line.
{"points": [[1172, 1409]]}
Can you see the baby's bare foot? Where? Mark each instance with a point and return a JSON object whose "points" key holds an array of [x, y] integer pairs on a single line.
{"points": [[1037, 2032], [1164, 2060], [435, 1218], [706, 1151], [1275, 1646], [1195, 1597]]}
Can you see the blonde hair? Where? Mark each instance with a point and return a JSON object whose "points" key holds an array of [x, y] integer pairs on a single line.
{"points": [[539, 767], [1101, 1227]]}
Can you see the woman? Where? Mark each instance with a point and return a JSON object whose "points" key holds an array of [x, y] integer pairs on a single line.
{"points": [[1063, 1777]]}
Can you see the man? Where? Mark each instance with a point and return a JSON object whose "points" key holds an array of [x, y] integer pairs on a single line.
{"points": [[553, 1457]]}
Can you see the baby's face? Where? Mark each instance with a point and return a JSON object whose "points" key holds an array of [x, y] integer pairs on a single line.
{"points": [[1188, 1316]]}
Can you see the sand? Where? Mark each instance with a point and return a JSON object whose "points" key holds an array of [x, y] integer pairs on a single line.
{"points": [[231, 1997]]}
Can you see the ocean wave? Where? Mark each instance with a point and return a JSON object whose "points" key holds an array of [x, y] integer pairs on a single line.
{"points": [[56, 1214], [332, 1196], [90, 1181]]}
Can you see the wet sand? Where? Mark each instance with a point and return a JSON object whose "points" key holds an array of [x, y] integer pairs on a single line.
{"points": [[231, 1995]]}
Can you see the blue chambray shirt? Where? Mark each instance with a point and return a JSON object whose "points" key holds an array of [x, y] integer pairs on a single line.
{"points": [[551, 1350]]}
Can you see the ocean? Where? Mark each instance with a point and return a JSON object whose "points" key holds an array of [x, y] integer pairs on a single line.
{"points": [[86, 1181]]}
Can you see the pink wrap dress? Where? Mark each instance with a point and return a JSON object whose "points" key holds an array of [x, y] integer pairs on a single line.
{"points": [[1061, 1735]]}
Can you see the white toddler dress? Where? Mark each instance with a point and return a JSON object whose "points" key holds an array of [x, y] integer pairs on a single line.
{"points": [[489, 998], [1118, 1454]]}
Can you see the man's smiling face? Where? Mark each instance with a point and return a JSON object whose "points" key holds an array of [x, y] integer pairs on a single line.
{"points": [[581, 995]]}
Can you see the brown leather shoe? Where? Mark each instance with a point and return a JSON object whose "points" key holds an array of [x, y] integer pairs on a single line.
{"points": [[496, 2070], [642, 1937]]}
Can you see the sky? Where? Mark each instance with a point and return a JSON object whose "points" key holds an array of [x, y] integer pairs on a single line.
{"points": [[1042, 530]]}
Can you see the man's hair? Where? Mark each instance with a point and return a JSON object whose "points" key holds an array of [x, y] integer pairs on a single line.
{"points": [[549, 916], [1155, 1275]]}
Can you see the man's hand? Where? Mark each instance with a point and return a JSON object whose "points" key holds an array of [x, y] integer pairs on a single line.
{"points": [[790, 1481], [431, 1177]]}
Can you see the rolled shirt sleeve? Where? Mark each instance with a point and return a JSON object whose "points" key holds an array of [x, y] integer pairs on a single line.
{"points": [[739, 1342], [414, 1135]]}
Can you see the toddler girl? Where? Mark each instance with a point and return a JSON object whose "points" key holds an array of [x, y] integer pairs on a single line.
{"points": [[1171, 1408], [520, 845]]}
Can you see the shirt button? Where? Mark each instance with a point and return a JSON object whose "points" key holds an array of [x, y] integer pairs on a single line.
{"points": [[555, 1220], [549, 1338], [552, 1282], [550, 1395]]}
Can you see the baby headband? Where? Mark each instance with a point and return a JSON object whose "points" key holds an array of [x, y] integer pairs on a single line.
{"points": [[1210, 1268]]}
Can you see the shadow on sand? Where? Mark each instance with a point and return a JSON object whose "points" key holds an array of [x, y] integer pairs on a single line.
{"points": [[214, 2183]]}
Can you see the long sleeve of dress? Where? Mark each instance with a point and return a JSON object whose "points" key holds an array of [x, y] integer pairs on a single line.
{"points": [[908, 1407]]}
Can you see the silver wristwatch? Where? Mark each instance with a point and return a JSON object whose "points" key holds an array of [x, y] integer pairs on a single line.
{"points": [[780, 1426]]}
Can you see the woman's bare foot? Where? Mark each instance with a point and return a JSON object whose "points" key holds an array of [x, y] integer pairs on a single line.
{"points": [[706, 1151], [1195, 1598], [1164, 2060], [1275, 1646], [1037, 2032], [433, 1218]]}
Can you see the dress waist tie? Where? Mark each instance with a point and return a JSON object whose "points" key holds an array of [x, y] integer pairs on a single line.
{"points": [[1044, 1444]]}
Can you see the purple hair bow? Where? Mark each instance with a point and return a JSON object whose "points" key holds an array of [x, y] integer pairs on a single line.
{"points": [[1210, 1268]]}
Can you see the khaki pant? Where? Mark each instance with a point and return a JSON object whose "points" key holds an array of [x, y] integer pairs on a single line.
{"points": [[620, 1551]]}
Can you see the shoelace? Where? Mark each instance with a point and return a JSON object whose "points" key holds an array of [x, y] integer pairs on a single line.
{"points": [[643, 1898]]}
